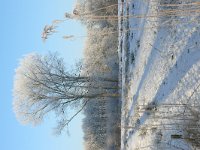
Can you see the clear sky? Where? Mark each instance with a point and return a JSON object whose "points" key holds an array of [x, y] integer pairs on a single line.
{"points": [[21, 25]]}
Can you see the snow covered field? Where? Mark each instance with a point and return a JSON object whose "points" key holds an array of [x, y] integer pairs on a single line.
{"points": [[160, 71]]}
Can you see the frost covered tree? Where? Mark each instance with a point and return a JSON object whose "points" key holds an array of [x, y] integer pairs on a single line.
{"points": [[101, 125], [91, 11], [43, 84], [95, 125]]}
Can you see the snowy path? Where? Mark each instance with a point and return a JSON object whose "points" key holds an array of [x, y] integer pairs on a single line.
{"points": [[160, 66]]}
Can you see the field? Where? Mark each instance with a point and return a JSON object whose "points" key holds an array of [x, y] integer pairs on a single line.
{"points": [[159, 74]]}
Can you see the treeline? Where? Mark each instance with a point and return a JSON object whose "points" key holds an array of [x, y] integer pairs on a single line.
{"points": [[101, 125]]}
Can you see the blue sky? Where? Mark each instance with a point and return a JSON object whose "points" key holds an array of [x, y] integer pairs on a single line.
{"points": [[21, 25]]}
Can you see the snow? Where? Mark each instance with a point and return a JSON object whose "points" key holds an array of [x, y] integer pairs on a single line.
{"points": [[160, 70]]}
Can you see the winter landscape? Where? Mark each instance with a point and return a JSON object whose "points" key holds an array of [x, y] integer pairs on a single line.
{"points": [[159, 65], [137, 84]]}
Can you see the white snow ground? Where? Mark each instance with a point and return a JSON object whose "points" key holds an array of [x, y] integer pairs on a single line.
{"points": [[160, 72]]}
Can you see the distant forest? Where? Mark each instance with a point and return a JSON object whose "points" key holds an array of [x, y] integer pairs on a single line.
{"points": [[101, 125]]}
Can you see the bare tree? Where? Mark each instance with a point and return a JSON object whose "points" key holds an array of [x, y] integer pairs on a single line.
{"points": [[43, 84]]}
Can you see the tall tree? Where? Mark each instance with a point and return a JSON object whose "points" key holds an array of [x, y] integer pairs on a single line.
{"points": [[43, 84]]}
